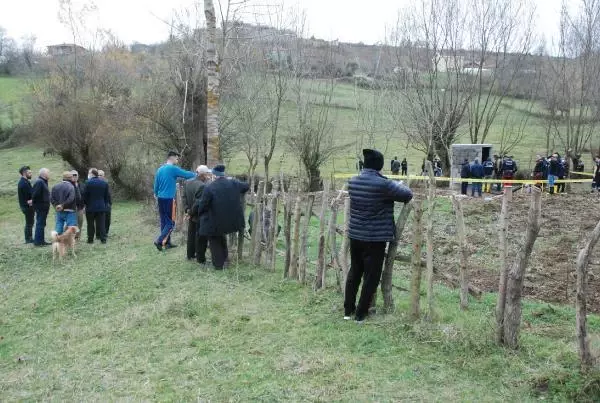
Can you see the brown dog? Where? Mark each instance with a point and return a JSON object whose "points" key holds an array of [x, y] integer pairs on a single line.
{"points": [[62, 242]]}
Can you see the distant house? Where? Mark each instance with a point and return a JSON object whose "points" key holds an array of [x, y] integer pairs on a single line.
{"points": [[65, 49], [443, 63]]}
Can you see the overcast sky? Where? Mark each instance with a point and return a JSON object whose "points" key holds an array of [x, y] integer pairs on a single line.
{"points": [[143, 20]]}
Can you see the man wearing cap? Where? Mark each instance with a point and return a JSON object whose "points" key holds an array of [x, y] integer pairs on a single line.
{"points": [[96, 199], [108, 214], [221, 213], [371, 226], [63, 199], [193, 188], [25, 191], [165, 189], [40, 199], [79, 203]]}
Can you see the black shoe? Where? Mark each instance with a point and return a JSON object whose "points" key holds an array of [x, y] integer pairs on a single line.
{"points": [[103, 241], [218, 268], [158, 246], [170, 246], [90, 241], [43, 244], [29, 241], [201, 261]]}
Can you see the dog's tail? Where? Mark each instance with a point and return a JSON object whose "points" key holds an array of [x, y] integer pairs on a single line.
{"points": [[54, 236]]}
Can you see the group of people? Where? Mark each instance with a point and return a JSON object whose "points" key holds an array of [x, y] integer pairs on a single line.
{"points": [[71, 200], [501, 168], [212, 203], [396, 166]]}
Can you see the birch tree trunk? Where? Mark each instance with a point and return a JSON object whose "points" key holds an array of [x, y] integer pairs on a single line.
{"points": [[213, 146], [388, 268], [296, 238], [464, 253], [429, 240], [320, 275], [415, 280], [302, 260], [581, 302], [501, 302], [514, 285]]}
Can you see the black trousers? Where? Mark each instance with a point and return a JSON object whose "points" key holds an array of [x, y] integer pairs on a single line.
{"points": [[107, 221], [463, 187], [96, 226], [29, 214], [196, 244], [366, 264], [218, 250], [404, 171]]}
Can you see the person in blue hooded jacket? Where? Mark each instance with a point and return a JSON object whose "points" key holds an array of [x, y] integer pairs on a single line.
{"points": [[371, 227], [477, 172], [165, 190]]}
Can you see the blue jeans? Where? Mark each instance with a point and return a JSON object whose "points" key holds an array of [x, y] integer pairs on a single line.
{"points": [[166, 211], [68, 218], [41, 213], [475, 187]]}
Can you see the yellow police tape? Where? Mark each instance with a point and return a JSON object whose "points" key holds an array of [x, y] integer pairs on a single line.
{"points": [[472, 180], [583, 173]]}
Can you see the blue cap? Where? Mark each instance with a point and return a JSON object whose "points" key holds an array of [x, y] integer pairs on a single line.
{"points": [[219, 170]]}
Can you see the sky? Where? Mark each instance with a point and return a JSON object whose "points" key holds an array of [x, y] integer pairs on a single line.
{"points": [[146, 21]]}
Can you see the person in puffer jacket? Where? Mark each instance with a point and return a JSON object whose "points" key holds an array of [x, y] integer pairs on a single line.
{"points": [[371, 227]]}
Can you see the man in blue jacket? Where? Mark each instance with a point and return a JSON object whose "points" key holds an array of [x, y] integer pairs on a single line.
{"points": [[476, 173], [40, 200], [165, 189], [24, 191], [96, 197], [371, 226]]}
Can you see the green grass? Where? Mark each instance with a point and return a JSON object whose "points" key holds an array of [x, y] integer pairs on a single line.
{"points": [[124, 322]]}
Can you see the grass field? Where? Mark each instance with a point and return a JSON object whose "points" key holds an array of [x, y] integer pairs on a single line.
{"points": [[124, 322]]}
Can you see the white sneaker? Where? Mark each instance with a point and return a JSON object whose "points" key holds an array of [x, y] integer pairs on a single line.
{"points": [[347, 317]]}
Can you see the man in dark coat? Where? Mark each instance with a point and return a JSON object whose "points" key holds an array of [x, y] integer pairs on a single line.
{"points": [[476, 173], [404, 165], [96, 199], [395, 166], [371, 226], [79, 203], [40, 200], [192, 190], [596, 180], [465, 173], [24, 191], [221, 213], [108, 215], [63, 198], [553, 172]]}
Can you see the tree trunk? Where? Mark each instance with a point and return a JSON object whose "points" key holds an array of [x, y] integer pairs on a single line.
{"points": [[256, 241], [429, 240], [503, 247], [415, 280], [581, 302], [464, 252], [331, 233], [320, 275], [240, 242], [514, 285], [345, 248], [388, 268], [213, 147], [296, 238], [272, 239], [302, 261]]}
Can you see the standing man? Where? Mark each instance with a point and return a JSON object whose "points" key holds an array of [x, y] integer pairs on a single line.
{"points": [[404, 166], [165, 189], [63, 199], [465, 173], [221, 213], [540, 170], [109, 206], [488, 174], [553, 172], [563, 167], [371, 226], [196, 247], [476, 173], [596, 181], [509, 168], [96, 199], [79, 203], [395, 166], [498, 171], [40, 200], [25, 191]]}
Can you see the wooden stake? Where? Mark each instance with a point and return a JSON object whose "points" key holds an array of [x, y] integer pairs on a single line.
{"points": [[503, 247], [415, 280], [464, 252], [274, 225], [240, 235], [256, 247], [429, 240], [345, 249], [304, 240], [320, 275], [296, 238]]}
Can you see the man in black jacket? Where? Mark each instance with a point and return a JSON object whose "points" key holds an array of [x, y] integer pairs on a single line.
{"points": [[40, 200], [221, 213], [192, 191], [371, 227], [64, 201], [108, 215], [24, 191], [465, 173], [79, 203], [96, 199]]}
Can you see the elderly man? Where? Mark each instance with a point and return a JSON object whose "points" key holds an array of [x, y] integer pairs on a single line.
{"points": [[64, 201], [96, 199], [24, 191], [371, 226], [79, 203], [165, 189], [40, 200], [107, 216], [193, 188], [221, 213]]}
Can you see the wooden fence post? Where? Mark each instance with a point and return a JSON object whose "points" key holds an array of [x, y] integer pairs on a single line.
{"points": [[514, 285], [296, 238], [332, 233], [320, 274], [304, 240], [240, 235], [429, 240], [272, 239], [388, 268], [503, 247], [464, 252], [415, 280], [256, 243], [345, 249], [581, 302]]}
